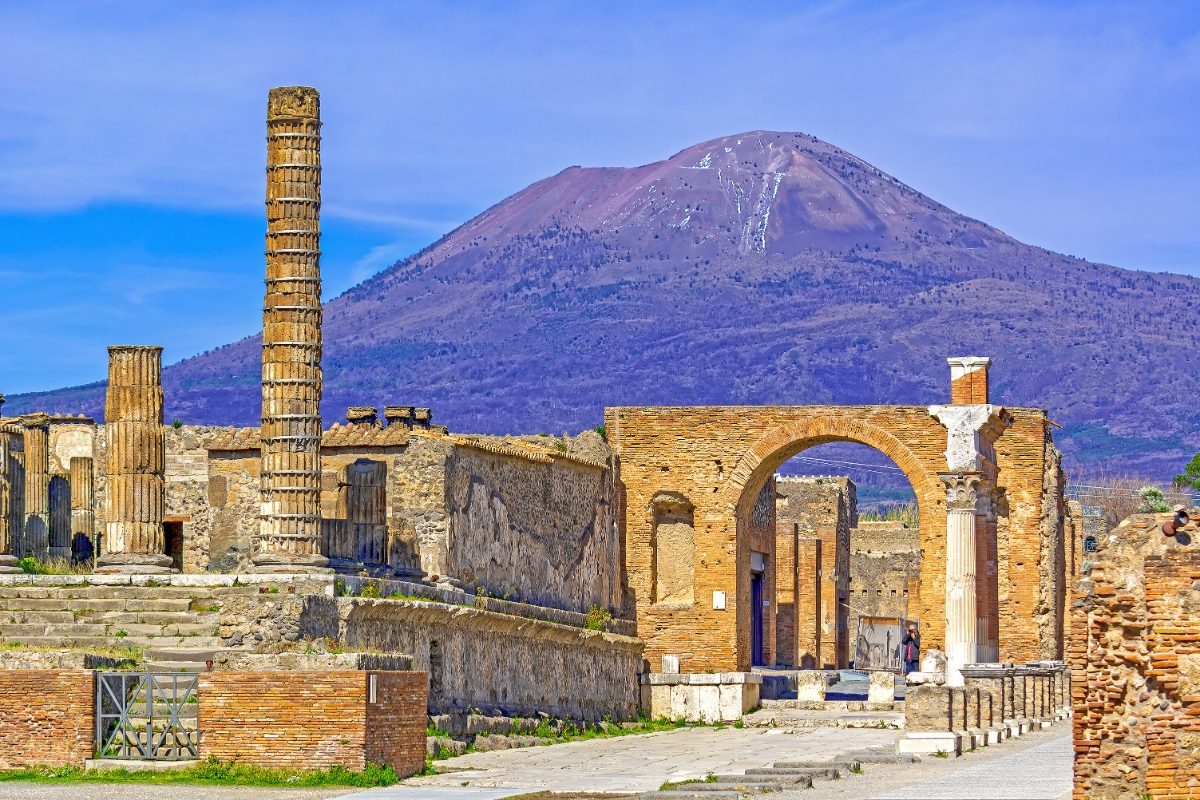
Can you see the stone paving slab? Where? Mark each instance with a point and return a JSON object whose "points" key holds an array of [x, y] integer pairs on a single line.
{"points": [[642, 763], [433, 793], [1038, 773]]}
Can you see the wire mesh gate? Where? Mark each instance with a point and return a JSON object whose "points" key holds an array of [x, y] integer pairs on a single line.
{"points": [[147, 715]]}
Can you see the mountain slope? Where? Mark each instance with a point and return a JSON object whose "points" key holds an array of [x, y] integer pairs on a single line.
{"points": [[758, 268]]}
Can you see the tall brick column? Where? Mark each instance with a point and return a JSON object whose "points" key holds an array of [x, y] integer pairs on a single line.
{"points": [[290, 528], [135, 491], [8, 434], [961, 634], [35, 539], [83, 510]]}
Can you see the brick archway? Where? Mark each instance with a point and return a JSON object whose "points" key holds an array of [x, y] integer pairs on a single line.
{"points": [[719, 456], [770, 452]]}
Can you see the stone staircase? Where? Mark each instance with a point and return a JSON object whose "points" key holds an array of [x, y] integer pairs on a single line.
{"points": [[780, 776], [175, 621]]}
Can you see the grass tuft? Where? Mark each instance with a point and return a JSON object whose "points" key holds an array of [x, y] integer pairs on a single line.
{"points": [[211, 772]]}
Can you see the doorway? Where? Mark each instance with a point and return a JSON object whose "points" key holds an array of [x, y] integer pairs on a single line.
{"points": [[756, 619], [173, 542]]}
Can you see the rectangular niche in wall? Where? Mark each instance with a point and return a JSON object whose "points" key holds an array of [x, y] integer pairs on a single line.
{"points": [[674, 549]]}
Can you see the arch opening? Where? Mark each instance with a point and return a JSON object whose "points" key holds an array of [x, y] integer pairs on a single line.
{"points": [[834, 567]]}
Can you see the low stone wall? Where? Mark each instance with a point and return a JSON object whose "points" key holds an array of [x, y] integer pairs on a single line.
{"points": [[46, 717], [315, 720], [996, 702], [501, 664]]}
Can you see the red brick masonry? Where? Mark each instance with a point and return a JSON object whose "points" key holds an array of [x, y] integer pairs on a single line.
{"points": [[315, 720], [46, 717]]}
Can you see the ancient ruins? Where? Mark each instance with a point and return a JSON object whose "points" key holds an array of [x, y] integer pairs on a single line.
{"points": [[422, 571]]}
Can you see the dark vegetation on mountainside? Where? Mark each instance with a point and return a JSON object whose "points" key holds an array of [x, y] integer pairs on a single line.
{"points": [[759, 268]]}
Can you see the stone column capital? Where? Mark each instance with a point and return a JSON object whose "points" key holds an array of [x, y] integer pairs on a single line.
{"points": [[968, 445], [962, 490]]}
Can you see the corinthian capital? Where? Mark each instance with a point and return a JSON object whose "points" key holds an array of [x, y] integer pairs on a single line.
{"points": [[962, 490]]}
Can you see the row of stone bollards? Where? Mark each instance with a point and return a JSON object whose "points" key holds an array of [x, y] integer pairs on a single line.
{"points": [[996, 702]]}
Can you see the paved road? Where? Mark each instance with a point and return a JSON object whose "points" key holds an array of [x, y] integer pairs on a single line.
{"points": [[645, 762], [1034, 767]]}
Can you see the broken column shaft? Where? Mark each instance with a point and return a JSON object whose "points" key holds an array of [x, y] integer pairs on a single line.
{"points": [[35, 539], [290, 527], [83, 512], [8, 561], [135, 491]]}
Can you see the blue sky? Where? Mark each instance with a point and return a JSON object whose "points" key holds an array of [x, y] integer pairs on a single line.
{"points": [[131, 154]]}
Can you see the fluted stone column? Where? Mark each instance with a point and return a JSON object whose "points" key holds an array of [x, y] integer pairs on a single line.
{"points": [[8, 434], [135, 491], [290, 527], [60, 516], [960, 573], [35, 540], [83, 506]]}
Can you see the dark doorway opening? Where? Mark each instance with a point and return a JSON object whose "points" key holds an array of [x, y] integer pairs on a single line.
{"points": [[756, 619], [173, 542]]}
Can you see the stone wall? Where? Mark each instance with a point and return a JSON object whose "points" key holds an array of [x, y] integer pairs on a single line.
{"points": [[538, 530], [885, 562], [825, 509], [283, 719], [1135, 652], [47, 717], [503, 665]]}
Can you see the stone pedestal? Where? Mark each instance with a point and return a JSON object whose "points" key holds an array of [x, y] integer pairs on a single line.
{"points": [[290, 527], [135, 490], [700, 697], [811, 684], [881, 687]]}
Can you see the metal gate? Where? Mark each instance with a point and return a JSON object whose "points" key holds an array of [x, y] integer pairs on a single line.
{"points": [[147, 715]]}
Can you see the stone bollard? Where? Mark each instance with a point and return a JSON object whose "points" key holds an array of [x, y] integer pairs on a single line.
{"points": [[929, 726], [991, 682], [881, 687], [811, 684]]}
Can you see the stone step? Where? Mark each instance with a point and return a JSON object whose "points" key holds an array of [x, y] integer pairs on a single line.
{"points": [[798, 781], [745, 787], [682, 794], [181, 654], [161, 618], [826, 773], [79, 591], [882, 757], [36, 617], [174, 629], [176, 666], [170, 641], [849, 765]]}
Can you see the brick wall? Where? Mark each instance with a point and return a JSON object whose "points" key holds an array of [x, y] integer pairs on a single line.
{"points": [[396, 721], [787, 587], [762, 540], [825, 508], [1135, 655], [808, 603], [46, 717], [314, 720], [718, 458]]}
